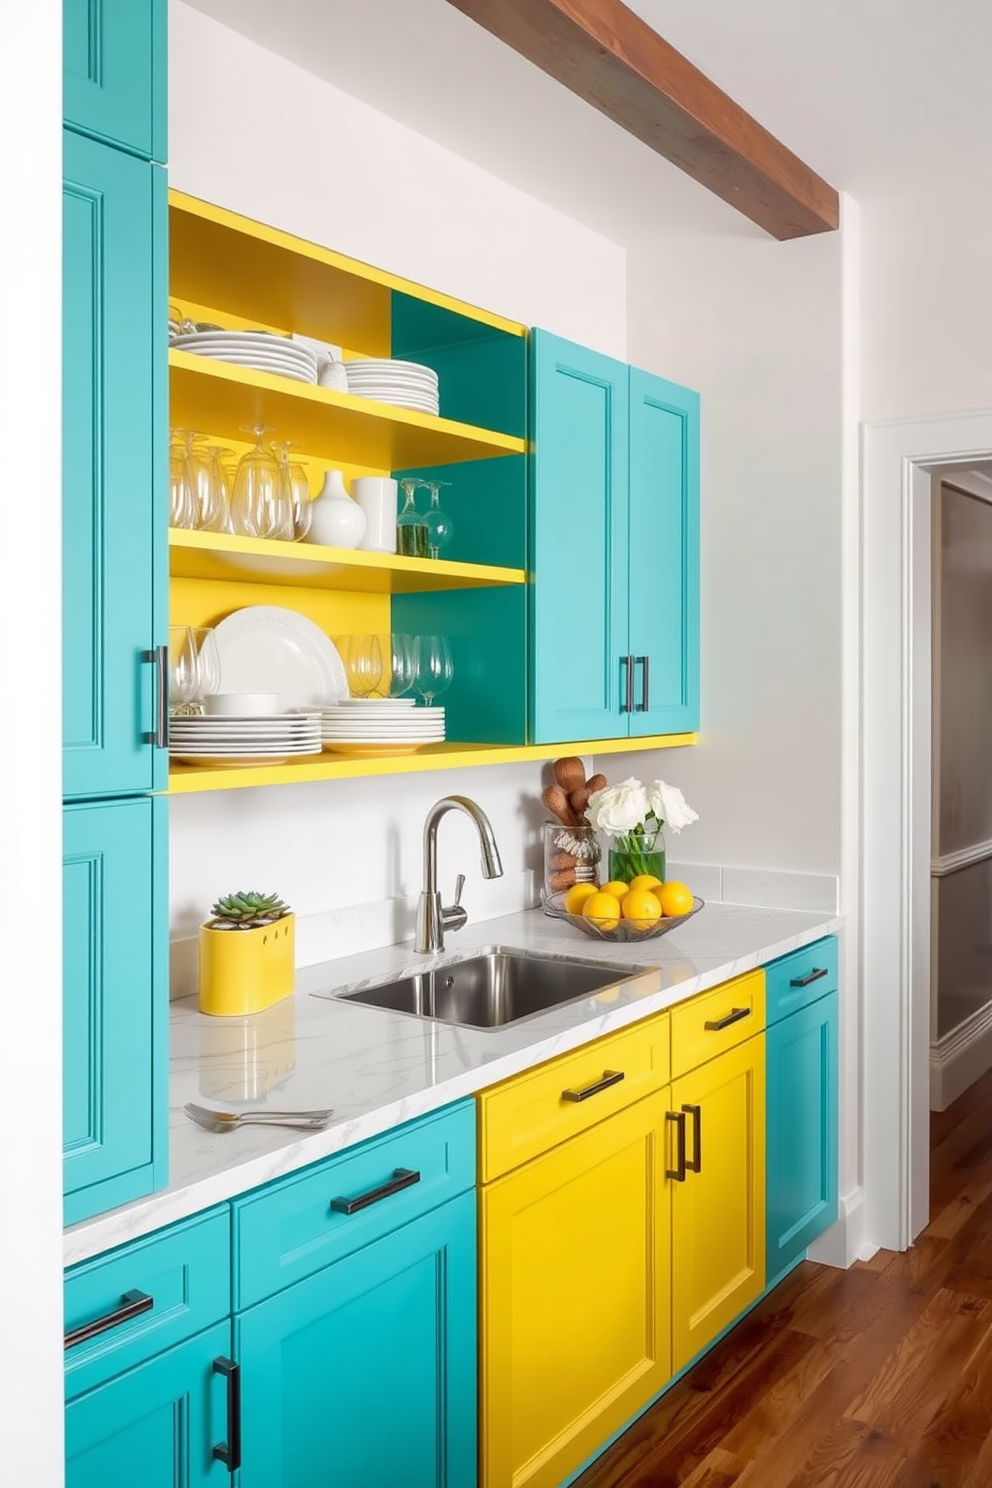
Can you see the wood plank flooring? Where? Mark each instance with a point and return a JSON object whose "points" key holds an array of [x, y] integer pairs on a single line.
{"points": [[876, 1377]]}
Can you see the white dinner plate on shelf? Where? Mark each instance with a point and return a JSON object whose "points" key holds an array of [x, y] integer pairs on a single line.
{"points": [[268, 648], [187, 751], [368, 365], [256, 359], [275, 369], [373, 702], [230, 761], [424, 388], [256, 340]]}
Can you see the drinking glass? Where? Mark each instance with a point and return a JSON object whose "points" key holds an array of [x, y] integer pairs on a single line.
{"points": [[434, 666], [195, 466], [362, 658], [296, 488], [403, 672], [259, 505], [440, 527], [411, 534], [215, 512], [207, 656], [182, 497], [183, 677]]}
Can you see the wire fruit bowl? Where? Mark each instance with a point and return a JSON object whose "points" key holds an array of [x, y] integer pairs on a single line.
{"points": [[626, 931]]}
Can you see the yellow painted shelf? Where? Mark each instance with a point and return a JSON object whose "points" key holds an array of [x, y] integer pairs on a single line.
{"points": [[340, 428], [184, 779], [214, 555], [219, 258]]}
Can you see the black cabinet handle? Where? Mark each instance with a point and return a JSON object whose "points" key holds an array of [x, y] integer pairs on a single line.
{"points": [[696, 1165], [678, 1172], [627, 681], [229, 1452], [159, 659], [610, 1077], [402, 1178], [734, 1016], [814, 976], [644, 662], [133, 1304]]}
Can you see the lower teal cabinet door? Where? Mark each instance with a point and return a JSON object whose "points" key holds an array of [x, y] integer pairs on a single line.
{"points": [[364, 1375], [802, 1131], [115, 1003], [158, 1426]]}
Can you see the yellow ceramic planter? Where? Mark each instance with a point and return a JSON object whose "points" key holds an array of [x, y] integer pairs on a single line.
{"points": [[244, 971]]}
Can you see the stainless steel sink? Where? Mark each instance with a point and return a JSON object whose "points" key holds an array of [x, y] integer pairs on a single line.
{"points": [[492, 987]]}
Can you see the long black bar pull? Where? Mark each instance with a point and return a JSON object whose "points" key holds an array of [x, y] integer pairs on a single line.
{"points": [[229, 1452], [133, 1304]]}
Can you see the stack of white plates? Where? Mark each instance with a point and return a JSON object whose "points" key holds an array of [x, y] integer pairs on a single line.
{"points": [[256, 740], [265, 353], [404, 384], [371, 726]]}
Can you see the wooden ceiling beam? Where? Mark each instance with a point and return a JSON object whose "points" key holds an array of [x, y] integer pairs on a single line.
{"points": [[603, 52]]}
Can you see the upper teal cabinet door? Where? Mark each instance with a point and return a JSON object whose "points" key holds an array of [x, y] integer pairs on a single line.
{"points": [[578, 541], [114, 60], [115, 1003], [663, 568], [115, 426], [156, 1425], [364, 1374]]}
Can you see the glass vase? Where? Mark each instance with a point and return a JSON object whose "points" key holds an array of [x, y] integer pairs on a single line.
{"points": [[634, 855], [571, 856]]}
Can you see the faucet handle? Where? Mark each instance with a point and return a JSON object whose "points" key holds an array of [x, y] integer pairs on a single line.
{"points": [[459, 886]]}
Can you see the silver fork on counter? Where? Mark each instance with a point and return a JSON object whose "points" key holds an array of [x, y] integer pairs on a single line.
{"points": [[218, 1121]]}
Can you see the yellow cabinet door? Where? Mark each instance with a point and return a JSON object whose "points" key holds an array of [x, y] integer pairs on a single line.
{"points": [[718, 1208], [575, 1285]]}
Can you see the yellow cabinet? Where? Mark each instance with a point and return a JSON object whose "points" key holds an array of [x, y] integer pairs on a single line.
{"points": [[575, 1287], [718, 1199]]}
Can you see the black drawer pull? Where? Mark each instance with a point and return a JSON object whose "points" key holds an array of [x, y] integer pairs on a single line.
{"points": [[734, 1016], [229, 1452], [402, 1178], [610, 1077], [814, 976], [678, 1172], [696, 1165], [133, 1304]]}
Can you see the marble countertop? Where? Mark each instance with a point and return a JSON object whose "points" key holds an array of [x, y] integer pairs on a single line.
{"points": [[376, 1069]]}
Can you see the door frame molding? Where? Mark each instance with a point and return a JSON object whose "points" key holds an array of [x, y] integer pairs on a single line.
{"points": [[898, 459]]}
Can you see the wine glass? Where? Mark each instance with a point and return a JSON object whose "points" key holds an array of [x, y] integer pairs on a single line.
{"points": [[182, 497], [440, 527], [296, 487], [215, 514], [207, 654], [183, 679], [403, 672], [362, 658], [411, 534], [259, 505], [434, 666]]}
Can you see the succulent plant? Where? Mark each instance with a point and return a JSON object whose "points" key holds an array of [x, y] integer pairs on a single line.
{"points": [[247, 910]]}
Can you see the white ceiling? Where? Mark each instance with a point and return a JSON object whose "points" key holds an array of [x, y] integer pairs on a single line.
{"points": [[876, 95]]}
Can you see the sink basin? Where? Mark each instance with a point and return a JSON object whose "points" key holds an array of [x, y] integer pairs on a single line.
{"points": [[492, 987]]}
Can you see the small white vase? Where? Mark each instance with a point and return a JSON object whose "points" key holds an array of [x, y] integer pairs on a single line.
{"points": [[336, 521], [376, 495]]}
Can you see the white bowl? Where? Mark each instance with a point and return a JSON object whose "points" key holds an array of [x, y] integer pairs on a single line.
{"points": [[232, 704]]}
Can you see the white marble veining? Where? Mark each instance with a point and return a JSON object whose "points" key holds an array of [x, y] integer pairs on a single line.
{"points": [[377, 1069]]}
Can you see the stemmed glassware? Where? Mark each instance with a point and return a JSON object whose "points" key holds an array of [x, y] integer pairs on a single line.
{"points": [[363, 663], [434, 666], [440, 527], [411, 533], [217, 518], [183, 679], [207, 654], [260, 506], [296, 489], [188, 475]]}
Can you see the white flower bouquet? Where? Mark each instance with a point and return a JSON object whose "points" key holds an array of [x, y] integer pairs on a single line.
{"points": [[635, 816]]}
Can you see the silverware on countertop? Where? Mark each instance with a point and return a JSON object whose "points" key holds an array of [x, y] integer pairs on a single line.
{"points": [[218, 1121]]}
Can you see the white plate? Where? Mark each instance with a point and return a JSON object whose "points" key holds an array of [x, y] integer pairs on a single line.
{"points": [[231, 761], [255, 358], [277, 369], [267, 648], [400, 702], [429, 389], [244, 749], [253, 741], [387, 364], [384, 736], [244, 340]]}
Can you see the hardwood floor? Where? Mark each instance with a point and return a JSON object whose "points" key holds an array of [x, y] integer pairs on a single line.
{"points": [[876, 1377]]}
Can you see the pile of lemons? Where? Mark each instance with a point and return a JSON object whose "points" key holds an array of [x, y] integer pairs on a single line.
{"points": [[642, 902]]}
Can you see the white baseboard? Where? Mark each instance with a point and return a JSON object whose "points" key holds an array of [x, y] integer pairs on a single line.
{"points": [[960, 1058], [844, 1242]]}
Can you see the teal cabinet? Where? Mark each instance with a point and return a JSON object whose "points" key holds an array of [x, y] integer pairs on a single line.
{"points": [[365, 1374], [802, 1115], [614, 548], [114, 72], [114, 492], [159, 1425], [115, 1003]]}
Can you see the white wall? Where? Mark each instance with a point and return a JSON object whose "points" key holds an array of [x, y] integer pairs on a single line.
{"points": [[329, 168], [31, 1357]]}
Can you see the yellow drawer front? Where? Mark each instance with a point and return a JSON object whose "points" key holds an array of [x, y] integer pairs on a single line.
{"points": [[533, 1112], [719, 1020], [575, 1295]]}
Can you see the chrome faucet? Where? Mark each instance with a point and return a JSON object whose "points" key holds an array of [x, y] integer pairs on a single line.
{"points": [[433, 918]]}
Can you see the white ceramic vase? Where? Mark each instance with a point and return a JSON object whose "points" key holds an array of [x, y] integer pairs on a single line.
{"points": [[376, 495], [336, 521]]}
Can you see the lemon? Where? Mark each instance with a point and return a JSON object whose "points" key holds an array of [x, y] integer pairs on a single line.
{"points": [[577, 896], [641, 908], [616, 887], [645, 881], [675, 898], [604, 909]]}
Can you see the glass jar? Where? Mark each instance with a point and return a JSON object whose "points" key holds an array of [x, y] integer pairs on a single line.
{"points": [[571, 855], [638, 853]]}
